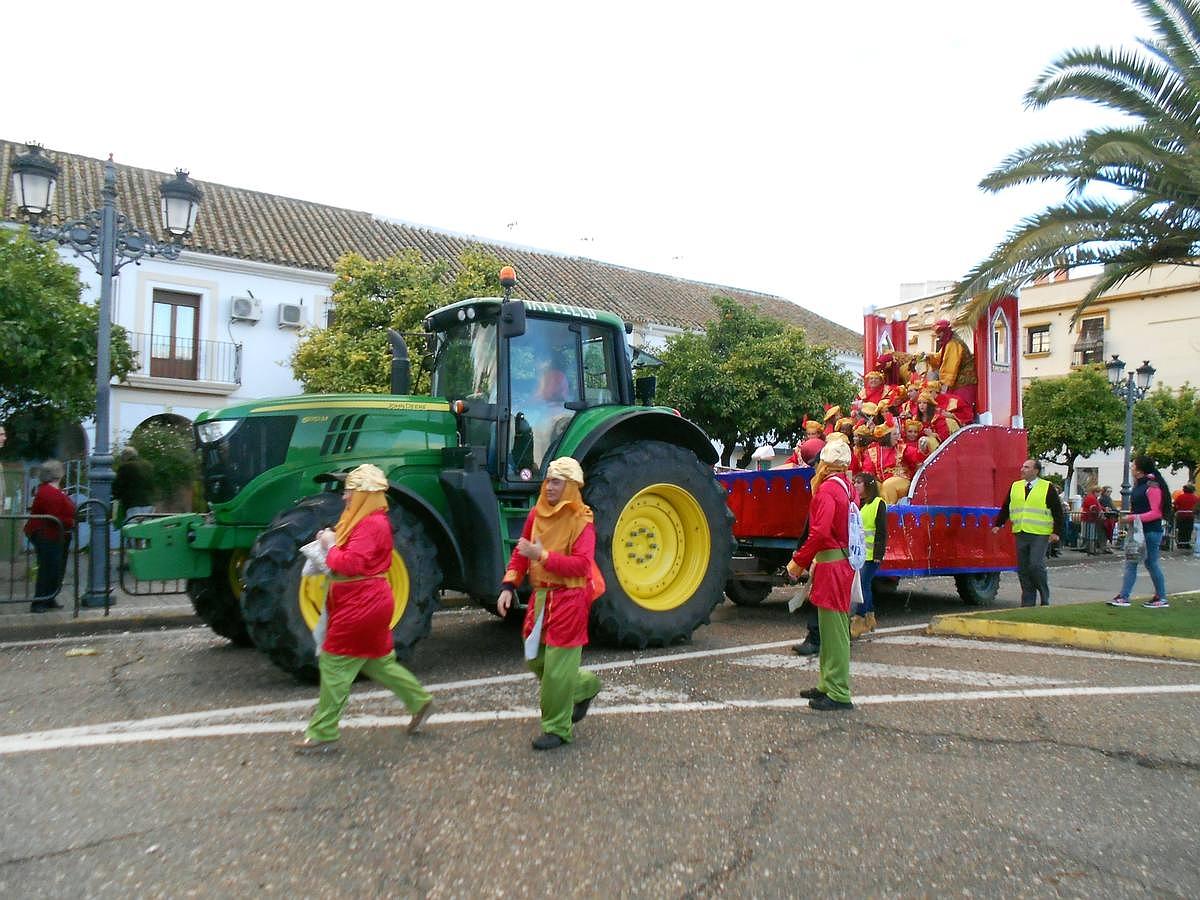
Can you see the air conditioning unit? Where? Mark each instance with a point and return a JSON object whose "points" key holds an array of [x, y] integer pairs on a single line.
{"points": [[246, 309], [291, 315]]}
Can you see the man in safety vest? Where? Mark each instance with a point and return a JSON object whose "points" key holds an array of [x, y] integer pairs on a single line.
{"points": [[1036, 511]]}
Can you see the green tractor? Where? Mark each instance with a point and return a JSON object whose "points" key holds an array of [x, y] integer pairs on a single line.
{"points": [[514, 385]]}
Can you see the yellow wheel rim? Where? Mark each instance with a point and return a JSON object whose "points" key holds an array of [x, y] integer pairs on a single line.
{"points": [[233, 572], [313, 588], [661, 547]]}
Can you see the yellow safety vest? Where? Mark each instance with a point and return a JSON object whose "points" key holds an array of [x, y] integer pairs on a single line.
{"points": [[869, 514], [1030, 515]]}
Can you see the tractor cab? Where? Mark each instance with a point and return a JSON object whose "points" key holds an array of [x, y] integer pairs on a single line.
{"points": [[517, 373]]}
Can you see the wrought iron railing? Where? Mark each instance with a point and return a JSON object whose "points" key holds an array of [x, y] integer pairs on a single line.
{"points": [[161, 356]]}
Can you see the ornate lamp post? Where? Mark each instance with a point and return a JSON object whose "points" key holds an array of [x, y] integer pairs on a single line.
{"points": [[1131, 391], [110, 241]]}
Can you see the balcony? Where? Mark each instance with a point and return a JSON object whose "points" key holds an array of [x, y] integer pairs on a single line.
{"points": [[1087, 351], [206, 367]]}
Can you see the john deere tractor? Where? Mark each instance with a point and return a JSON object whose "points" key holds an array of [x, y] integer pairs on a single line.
{"points": [[514, 384]]}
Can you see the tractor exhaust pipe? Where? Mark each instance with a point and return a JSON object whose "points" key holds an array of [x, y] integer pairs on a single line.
{"points": [[401, 368]]}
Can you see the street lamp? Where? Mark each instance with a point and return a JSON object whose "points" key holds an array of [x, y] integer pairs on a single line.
{"points": [[110, 241], [1130, 387]]}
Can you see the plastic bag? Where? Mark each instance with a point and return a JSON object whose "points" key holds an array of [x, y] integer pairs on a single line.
{"points": [[314, 559], [856, 595], [800, 596], [1135, 542]]}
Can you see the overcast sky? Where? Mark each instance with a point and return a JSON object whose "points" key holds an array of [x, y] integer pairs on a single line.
{"points": [[825, 152]]}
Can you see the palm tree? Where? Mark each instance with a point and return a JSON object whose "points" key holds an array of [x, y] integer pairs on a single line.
{"points": [[1133, 198]]}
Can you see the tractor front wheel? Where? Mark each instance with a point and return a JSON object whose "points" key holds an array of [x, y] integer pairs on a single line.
{"points": [[217, 599], [664, 538], [977, 588], [281, 606]]}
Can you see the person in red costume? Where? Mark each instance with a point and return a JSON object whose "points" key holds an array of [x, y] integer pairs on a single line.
{"points": [[824, 557], [557, 551], [873, 388], [50, 538], [858, 453], [359, 609]]}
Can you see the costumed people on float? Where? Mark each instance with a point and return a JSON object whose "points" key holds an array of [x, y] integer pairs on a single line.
{"points": [[557, 551], [880, 461], [858, 453], [831, 417], [826, 553], [955, 364], [359, 608]]}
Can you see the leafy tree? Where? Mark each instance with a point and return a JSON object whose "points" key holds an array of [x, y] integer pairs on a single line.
{"points": [[170, 453], [749, 379], [371, 296], [1072, 417], [1133, 190], [1172, 436], [48, 340]]}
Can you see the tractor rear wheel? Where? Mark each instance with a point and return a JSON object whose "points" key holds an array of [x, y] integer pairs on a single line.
{"points": [[977, 588], [664, 538], [217, 599], [281, 607]]}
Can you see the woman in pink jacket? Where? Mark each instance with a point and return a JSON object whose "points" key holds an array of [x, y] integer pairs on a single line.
{"points": [[1150, 504]]}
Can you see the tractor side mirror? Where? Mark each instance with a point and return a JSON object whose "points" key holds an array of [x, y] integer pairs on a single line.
{"points": [[512, 319], [644, 389]]}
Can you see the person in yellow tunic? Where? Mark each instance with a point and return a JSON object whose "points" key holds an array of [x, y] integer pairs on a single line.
{"points": [[955, 364], [557, 551]]}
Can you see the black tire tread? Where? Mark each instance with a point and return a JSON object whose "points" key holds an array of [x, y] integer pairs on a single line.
{"points": [[970, 591], [273, 566], [217, 605], [747, 593]]}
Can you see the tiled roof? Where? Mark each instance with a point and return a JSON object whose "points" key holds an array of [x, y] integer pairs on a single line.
{"points": [[251, 225]]}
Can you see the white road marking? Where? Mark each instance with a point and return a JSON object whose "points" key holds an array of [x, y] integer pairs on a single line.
{"points": [[34, 743], [968, 644], [239, 712], [907, 673]]}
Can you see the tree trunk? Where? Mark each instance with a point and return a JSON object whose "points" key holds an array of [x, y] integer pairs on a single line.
{"points": [[726, 450]]}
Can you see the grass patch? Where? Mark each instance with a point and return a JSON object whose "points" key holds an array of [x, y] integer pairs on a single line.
{"points": [[1182, 619]]}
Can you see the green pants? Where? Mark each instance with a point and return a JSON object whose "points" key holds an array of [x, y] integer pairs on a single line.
{"points": [[834, 679], [338, 674], [563, 685]]}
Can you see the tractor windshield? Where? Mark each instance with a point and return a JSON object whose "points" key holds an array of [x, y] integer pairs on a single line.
{"points": [[465, 367]]}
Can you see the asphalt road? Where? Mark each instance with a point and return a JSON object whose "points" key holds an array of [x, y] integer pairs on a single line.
{"points": [[160, 766]]}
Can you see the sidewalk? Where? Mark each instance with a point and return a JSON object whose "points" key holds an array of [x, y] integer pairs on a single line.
{"points": [[131, 612]]}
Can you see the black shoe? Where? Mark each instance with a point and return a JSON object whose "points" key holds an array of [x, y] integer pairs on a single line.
{"points": [[38, 607], [808, 648], [825, 704], [811, 694], [581, 709], [547, 742], [53, 604]]}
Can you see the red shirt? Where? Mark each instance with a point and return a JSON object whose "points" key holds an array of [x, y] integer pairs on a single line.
{"points": [[50, 501], [1091, 508], [829, 528], [1184, 503], [360, 612], [565, 621]]}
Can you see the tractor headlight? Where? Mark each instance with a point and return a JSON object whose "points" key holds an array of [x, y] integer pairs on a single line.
{"points": [[212, 431]]}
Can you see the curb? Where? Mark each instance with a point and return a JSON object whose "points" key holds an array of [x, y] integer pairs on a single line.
{"points": [[1155, 645], [35, 627]]}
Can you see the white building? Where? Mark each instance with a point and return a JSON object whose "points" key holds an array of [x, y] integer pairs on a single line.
{"points": [[219, 324]]}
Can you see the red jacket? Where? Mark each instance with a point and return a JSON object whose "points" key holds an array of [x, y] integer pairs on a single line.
{"points": [[1091, 508], [567, 608], [828, 528], [360, 612], [50, 501]]}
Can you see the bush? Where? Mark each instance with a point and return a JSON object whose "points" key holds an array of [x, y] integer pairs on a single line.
{"points": [[170, 453]]}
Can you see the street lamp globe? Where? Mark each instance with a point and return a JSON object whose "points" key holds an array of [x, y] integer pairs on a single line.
{"points": [[180, 204], [1145, 375], [1116, 370], [33, 181]]}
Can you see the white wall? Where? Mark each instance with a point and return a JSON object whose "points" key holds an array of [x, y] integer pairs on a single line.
{"points": [[216, 280]]}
